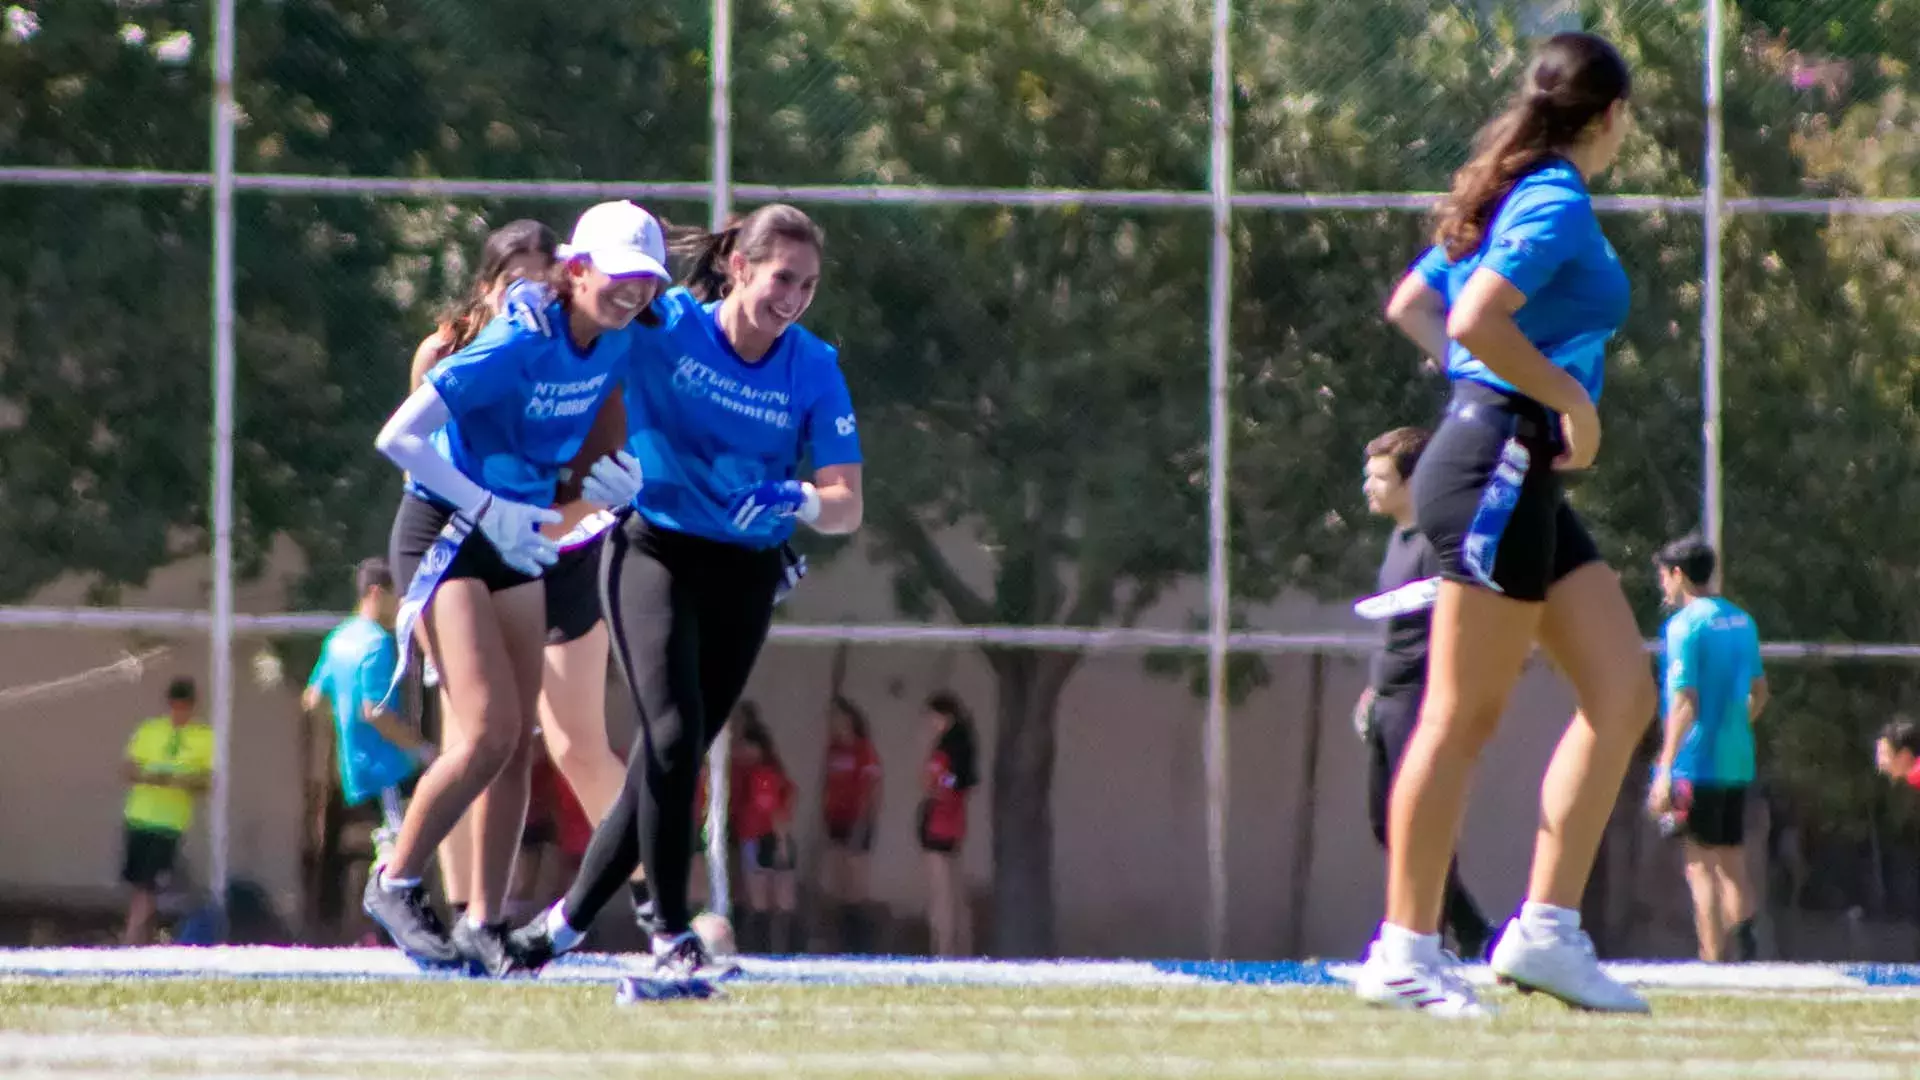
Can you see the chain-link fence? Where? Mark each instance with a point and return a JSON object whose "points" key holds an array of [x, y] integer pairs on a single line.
{"points": [[1028, 227]]}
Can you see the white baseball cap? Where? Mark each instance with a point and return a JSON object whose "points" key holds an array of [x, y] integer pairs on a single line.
{"points": [[622, 240]]}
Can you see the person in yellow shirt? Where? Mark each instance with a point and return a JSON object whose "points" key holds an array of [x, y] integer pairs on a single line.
{"points": [[169, 765]]}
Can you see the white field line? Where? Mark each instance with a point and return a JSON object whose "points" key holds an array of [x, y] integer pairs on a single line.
{"points": [[114, 1055], [386, 964]]}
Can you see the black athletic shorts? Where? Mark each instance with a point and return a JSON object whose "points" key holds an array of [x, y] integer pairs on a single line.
{"points": [[1458, 500], [573, 592], [766, 853], [857, 837], [928, 842], [418, 524], [1716, 814], [150, 855]]}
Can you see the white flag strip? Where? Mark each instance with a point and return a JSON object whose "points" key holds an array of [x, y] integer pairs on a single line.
{"points": [[1405, 600]]}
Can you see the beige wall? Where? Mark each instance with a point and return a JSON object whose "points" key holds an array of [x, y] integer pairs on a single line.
{"points": [[1130, 865]]}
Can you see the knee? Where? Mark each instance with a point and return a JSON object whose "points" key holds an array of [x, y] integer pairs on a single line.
{"points": [[497, 745], [575, 756], [1626, 706], [1458, 724]]}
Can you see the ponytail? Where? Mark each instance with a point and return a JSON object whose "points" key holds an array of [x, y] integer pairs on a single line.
{"points": [[1507, 149], [707, 277], [1573, 80], [462, 322]]}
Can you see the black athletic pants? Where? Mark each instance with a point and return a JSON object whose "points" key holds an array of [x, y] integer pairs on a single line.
{"points": [[1394, 717], [687, 617]]}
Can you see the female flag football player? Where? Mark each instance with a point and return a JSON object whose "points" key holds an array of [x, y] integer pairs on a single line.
{"points": [[1519, 296], [516, 250], [483, 441], [722, 402], [572, 704]]}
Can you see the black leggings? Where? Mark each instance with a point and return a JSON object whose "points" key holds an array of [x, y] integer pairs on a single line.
{"points": [[688, 617]]}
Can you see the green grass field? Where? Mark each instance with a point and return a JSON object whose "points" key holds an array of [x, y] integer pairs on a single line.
{"points": [[124, 1029]]}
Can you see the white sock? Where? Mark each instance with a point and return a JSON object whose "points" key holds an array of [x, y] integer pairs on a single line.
{"points": [[394, 884], [1402, 945], [1547, 917], [473, 921], [559, 931]]}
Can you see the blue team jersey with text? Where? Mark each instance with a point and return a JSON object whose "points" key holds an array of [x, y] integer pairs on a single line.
{"points": [[1713, 649], [522, 404], [1546, 241], [706, 424], [355, 668]]}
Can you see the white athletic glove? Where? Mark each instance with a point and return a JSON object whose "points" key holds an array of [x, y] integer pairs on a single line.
{"points": [[525, 305], [514, 529], [614, 480]]}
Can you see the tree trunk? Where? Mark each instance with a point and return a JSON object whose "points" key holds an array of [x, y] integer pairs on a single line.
{"points": [[1029, 685]]}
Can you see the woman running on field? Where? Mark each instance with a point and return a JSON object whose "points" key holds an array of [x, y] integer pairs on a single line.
{"points": [[1519, 296]]}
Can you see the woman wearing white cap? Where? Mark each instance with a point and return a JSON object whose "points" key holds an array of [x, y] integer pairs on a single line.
{"points": [[724, 401], [484, 440]]}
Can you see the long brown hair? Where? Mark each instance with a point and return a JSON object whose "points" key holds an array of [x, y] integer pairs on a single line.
{"points": [[753, 236], [957, 740], [462, 321], [1573, 79]]}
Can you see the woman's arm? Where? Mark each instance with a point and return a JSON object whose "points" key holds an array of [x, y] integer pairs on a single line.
{"points": [[841, 504], [405, 442], [1420, 312], [1482, 322]]}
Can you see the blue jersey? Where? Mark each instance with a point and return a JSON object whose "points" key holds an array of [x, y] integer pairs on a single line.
{"points": [[1713, 649], [1546, 241], [355, 668], [706, 424], [522, 405]]}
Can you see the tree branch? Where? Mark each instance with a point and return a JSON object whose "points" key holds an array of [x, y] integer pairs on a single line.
{"points": [[911, 538]]}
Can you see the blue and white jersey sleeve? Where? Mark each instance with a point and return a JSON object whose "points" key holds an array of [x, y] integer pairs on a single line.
{"points": [[1540, 229], [487, 371], [833, 434]]}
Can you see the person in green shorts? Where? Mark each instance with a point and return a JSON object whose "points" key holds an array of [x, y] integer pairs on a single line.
{"points": [[169, 765]]}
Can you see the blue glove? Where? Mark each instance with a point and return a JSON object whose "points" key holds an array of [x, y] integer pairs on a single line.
{"points": [[781, 498], [525, 304]]}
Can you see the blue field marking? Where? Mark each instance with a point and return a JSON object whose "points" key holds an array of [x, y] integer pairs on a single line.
{"points": [[1899, 976], [362, 965], [1239, 973]]}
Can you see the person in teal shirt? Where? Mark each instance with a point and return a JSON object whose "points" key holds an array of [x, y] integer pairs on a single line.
{"points": [[378, 752], [1714, 688]]}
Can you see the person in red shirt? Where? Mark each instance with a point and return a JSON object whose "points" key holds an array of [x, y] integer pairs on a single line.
{"points": [[948, 776], [849, 808], [1896, 752], [761, 806]]}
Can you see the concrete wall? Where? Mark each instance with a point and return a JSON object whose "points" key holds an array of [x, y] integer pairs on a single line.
{"points": [[1130, 864]]}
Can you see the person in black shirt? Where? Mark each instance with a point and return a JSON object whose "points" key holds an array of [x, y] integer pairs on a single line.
{"points": [[1390, 705]]}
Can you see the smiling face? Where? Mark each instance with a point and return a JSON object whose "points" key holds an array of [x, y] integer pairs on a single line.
{"points": [[773, 292], [607, 302]]}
